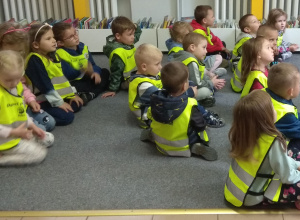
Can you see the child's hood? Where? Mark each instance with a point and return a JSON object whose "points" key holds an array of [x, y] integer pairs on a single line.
{"points": [[242, 35], [112, 44], [171, 43], [165, 108]]}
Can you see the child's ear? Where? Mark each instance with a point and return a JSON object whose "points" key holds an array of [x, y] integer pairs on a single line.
{"points": [[35, 45], [118, 36], [247, 30], [191, 48], [290, 92], [60, 43], [144, 67]]}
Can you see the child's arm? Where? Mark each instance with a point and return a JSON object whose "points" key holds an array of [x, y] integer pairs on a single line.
{"points": [[289, 126], [218, 45], [137, 34], [145, 90], [197, 121], [69, 72], [29, 97]]}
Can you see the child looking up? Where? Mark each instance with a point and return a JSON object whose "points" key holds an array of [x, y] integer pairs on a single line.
{"points": [[277, 18], [44, 69], [204, 18], [176, 119], [88, 78], [257, 54], [21, 141], [14, 37], [261, 169], [194, 46], [120, 50]]}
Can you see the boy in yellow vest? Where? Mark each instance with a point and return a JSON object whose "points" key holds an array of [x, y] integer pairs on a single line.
{"points": [[120, 50], [177, 126]]}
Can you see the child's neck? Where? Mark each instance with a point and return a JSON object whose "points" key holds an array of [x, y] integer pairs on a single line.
{"points": [[72, 48], [204, 25], [260, 66], [179, 93]]}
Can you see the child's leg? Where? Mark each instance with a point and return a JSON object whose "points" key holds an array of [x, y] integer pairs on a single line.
{"points": [[212, 62], [60, 116], [205, 151], [205, 97], [25, 153], [42, 119]]}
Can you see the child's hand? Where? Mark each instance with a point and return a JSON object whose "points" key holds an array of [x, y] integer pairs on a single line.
{"points": [[78, 101], [195, 90], [35, 106], [226, 51], [37, 131], [293, 47], [21, 132], [211, 74], [275, 50], [108, 94], [96, 77], [66, 107], [218, 83]]}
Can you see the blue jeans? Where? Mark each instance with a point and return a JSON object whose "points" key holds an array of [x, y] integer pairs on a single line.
{"points": [[42, 119]]}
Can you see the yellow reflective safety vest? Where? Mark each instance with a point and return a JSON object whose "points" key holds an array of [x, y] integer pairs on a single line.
{"points": [[133, 95], [12, 114], [77, 62], [58, 79], [235, 80], [201, 66], [208, 36], [260, 76], [237, 46], [242, 175], [172, 139], [127, 57], [279, 40], [175, 50]]}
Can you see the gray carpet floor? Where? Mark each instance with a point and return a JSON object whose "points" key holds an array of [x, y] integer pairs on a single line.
{"points": [[99, 163]]}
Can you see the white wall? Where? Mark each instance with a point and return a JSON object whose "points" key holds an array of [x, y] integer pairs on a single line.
{"points": [[189, 6], [124, 8]]}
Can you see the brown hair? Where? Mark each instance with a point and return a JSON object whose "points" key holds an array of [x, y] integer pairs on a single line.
{"points": [[121, 24], [145, 53], [36, 32], [253, 115], [250, 50], [10, 60], [282, 77], [243, 22], [173, 76], [59, 30], [274, 14], [192, 38], [179, 29], [15, 36], [201, 12], [264, 29]]}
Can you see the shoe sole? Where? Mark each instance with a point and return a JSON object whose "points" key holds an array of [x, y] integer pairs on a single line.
{"points": [[207, 153], [217, 126]]}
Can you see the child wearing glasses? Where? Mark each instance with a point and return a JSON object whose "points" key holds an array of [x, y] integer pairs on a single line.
{"points": [[88, 78]]}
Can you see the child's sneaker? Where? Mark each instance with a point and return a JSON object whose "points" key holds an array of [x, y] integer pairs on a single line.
{"points": [[86, 97], [286, 55], [206, 152], [220, 72], [146, 135], [208, 102], [213, 121]]}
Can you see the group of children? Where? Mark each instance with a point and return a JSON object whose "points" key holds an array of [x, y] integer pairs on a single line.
{"points": [[169, 102]]}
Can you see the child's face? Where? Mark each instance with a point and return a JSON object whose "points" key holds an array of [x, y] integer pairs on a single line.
{"points": [[10, 78], [210, 18], [272, 36], [266, 54], [200, 50], [280, 23], [127, 37], [47, 43], [70, 38], [153, 66], [253, 24], [296, 87]]}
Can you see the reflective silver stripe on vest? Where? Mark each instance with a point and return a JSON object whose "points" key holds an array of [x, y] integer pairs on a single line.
{"points": [[65, 91], [273, 187], [59, 80], [186, 153], [13, 125], [241, 174], [239, 194], [179, 143]]}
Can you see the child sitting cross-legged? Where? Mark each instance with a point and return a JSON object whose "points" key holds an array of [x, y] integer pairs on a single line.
{"points": [[177, 126]]}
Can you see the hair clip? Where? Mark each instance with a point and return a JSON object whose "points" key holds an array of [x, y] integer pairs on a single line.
{"points": [[44, 25]]}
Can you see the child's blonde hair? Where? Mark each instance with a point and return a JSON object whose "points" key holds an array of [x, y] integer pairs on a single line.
{"points": [[264, 29], [274, 14], [121, 24], [10, 60], [12, 33], [282, 77], [250, 50], [179, 29], [201, 11], [146, 52], [192, 38], [253, 115]]}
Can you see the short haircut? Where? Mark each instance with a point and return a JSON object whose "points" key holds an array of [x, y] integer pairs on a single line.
{"points": [[201, 12], [264, 29], [179, 29], [274, 14], [244, 22], [282, 77], [59, 30], [120, 24], [192, 38], [173, 76], [146, 52], [10, 60]]}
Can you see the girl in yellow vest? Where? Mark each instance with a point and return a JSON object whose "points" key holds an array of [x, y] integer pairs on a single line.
{"points": [[21, 141], [277, 18], [261, 170], [257, 53], [45, 70]]}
